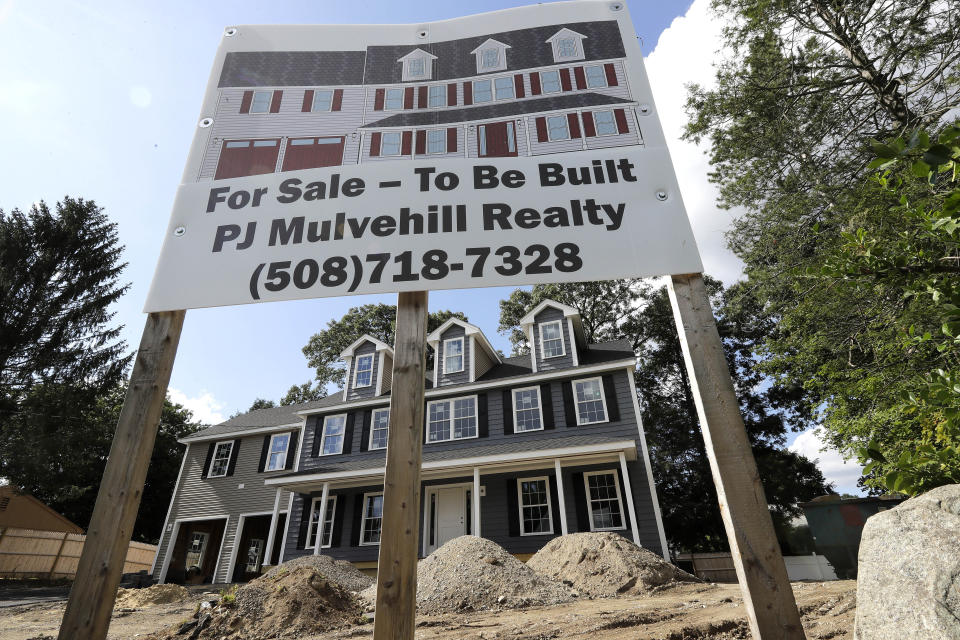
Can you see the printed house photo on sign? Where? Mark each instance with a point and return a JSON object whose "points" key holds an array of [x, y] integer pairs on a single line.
{"points": [[542, 90]]}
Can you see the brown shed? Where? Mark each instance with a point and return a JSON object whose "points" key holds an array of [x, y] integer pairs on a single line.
{"points": [[23, 511]]}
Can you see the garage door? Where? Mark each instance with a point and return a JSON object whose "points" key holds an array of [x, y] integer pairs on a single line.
{"points": [[247, 158], [309, 153]]}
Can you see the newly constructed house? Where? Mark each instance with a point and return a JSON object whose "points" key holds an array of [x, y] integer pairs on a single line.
{"points": [[518, 450]]}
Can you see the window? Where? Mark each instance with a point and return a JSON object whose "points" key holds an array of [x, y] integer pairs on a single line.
{"points": [[482, 91], [461, 412], [591, 406], [490, 58], [596, 77], [453, 355], [558, 128], [331, 442], [372, 518], [327, 523], [550, 81], [566, 48], [437, 96], [196, 548], [437, 141], [390, 144], [535, 512], [261, 102], [527, 413], [277, 456], [603, 498], [504, 88], [363, 374], [322, 100], [416, 68], [551, 339], [605, 123], [221, 459], [254, 555], [393, 99], [379, 429]]}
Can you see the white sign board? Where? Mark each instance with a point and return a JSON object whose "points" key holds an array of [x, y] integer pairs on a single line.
{"points": [[508, 148]]}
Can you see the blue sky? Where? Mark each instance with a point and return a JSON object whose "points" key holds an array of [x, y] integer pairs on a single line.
{"points": [[100, 100]]}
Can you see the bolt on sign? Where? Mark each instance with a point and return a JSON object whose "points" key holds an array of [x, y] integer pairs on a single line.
{"points": [[480, 151]]}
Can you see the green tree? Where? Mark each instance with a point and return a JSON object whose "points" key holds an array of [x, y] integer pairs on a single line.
{"points": [[306, 392], [261, 403]]}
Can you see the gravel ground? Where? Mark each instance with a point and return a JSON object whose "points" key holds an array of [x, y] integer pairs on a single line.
{"points": [[339, 571]]}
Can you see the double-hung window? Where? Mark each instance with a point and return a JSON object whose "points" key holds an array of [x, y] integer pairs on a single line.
{"points": [[379, 429], [490, 58], [566, 48], [535, 509], [596, 76], [416, 67], [261, 101], [221, 459], [527, 412], [393, 99], [604, 500], [482, 91], [327, 523], [454, 419], [551, 339], [558, 128], [331, 440], [605, 122], [504, 88], [550, 81], [390, 144], [453, 355], [591, 405], [278, 451], [322, 100], [437, 141], [372, 521], [363, 373], [437, 96]]}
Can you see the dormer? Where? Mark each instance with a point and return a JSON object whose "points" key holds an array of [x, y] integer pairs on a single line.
{"points": [[567, 45], [462, 353], [417, 65], [369, 368], [491, 56], [555, 334]]}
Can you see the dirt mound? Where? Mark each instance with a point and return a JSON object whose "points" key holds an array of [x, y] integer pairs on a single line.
{"points": [[472, 574], [150, 596], [339, 571], [604, 565]]}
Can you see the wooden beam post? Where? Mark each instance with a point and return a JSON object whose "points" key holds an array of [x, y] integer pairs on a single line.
{"points": [[101, 564], [396, 605], [767, 596]]}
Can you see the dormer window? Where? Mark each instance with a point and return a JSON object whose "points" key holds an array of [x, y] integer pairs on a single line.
{"points": [[453, 355], [491, 56], [567, 45], [551, 339], [415, 68], [566, 48], [363, 376], [417, 65]]}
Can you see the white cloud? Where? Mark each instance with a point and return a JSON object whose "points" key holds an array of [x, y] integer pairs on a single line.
{"points": [[685, 53], [835, 469], [204, 406], [140, 97]]}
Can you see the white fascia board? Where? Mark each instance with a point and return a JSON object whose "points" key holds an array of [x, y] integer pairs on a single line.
{"points": [[244, 433], [563, 32], [491, 43], [417, 53], [379, 344]]}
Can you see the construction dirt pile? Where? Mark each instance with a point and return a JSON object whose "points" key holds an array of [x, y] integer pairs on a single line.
{"points": [[339, 571], [150, 596], [604, 565]]}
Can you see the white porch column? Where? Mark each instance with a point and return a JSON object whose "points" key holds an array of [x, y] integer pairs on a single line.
{"points": [[562, 501], [629, 496], [323, 515], [476, 501], [273, 527]]}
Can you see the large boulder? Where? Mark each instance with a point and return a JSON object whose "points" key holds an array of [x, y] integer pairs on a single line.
{"points": [[908, 582]]}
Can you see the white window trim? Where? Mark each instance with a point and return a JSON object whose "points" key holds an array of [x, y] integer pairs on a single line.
{"points": [[443, 95], [546, 481], [616, 483], [603, 399], [363, 519], [399, 152], [616, 129], [493, 90], [323, 434], [539, 408], [513, 88], [604, 74], [476, 415], [563, 344], [286, 453], [566, 122], [313, 103], [444, 137], [543, 84], [463, 355], [213, 459], [373, 420], [331, 500], [270, 102], [356, 370], [386, 91]]}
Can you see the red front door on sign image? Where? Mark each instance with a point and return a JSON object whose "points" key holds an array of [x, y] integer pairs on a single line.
{"points": [[310, 153], [240, 158], [497, 140]]}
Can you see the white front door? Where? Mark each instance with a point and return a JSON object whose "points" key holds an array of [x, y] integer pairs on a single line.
{"points": [[449, 511]]}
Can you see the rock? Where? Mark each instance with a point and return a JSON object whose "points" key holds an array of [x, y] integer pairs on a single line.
{"points": [[908, 582], [186, 626]]}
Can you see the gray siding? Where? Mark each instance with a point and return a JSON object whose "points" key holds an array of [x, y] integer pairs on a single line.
{"points": [[367, 348], [550, 314], [481, 361], [454, 331], [387, 373]]}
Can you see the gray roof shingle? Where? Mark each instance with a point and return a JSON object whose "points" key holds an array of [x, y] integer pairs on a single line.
{"points": [[291, 68]]}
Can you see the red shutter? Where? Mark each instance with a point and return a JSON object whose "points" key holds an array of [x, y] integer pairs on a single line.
{"points": [[452, 139], [408, 98], [422, 97], [574, 123], [375, 141], [518, 84], [421, 142], [337, 99], [246, 101], [621, 118], [378, 98], [452, 94], [467, 93], [565, 80], [542, 130], [275, 102], [581, 77], [307, 100], [588, 126], [535, 83], [611, 72], [406, 142]]}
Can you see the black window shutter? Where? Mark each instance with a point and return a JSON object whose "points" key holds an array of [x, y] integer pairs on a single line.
{"points": [[304, 521], [206, 463], [338, 521], [317, 436], [355, 525], [569, 409], [580, 498], [546, 405], [348, 433], [365, 432], [292, 450], [507, 411], [263, 453], [613, 407], [483, 423], [513, 512], [233, 457], [555, 505]]}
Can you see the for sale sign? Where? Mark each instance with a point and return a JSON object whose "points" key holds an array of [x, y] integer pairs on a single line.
{"points": [[508, 148]]}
